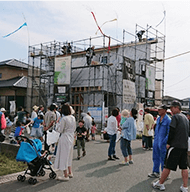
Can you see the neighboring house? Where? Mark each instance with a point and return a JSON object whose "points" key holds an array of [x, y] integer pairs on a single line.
{"points": [[13, 83], [185, 103]]}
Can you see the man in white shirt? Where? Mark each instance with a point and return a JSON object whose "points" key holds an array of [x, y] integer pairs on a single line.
{"points": [[87, 124], [112, 132]]}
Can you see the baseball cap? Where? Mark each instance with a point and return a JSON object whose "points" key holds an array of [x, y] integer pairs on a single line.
{"points": [[163, 107], [175, 103]]}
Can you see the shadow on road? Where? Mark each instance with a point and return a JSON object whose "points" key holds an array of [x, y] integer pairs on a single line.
{"points": [[25, 186], [139, 151], [91, 165], [104, 171]]}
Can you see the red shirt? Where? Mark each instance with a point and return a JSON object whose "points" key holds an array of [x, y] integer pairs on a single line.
{"points": [[118, 119]]}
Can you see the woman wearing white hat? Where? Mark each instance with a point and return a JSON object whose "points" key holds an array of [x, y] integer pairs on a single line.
{"points": [[34, 112], [3, 110]]}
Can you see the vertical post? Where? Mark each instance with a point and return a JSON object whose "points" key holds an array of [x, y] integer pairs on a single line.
{"points": [[32, 91], [40, 92]]}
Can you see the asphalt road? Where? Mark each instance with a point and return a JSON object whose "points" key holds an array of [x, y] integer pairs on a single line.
{"points": [[94, 173]]}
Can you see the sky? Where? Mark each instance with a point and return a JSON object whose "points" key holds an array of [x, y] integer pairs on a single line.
{"points": [[72, 20]]}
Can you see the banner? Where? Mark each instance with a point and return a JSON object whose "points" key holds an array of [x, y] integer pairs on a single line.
{"points": [[150, 78], [12, 107], [96, 112], [129, 93], [140, 122], [62, 70]]}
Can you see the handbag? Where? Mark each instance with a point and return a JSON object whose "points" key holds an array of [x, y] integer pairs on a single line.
{"points": [[188, 143], [150, 132]]}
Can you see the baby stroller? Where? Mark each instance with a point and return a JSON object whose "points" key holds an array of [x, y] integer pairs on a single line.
{"points": [[30, 152]]}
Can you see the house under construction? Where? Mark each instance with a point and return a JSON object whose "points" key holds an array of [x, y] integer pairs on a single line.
{"points": [[120, 74]]}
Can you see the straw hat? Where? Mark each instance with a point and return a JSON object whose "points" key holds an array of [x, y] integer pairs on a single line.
{"points": [[125, 113], [35, 107]]}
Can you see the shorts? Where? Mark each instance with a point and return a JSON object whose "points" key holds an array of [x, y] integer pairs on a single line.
{"points": [[93, 134], [175, 157], [36, 132]]}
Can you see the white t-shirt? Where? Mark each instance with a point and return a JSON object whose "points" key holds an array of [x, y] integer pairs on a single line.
{"points": [[112, 125]]}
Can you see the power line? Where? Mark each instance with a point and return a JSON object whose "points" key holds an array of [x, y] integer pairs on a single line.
{"points": [[179, 82], [177, 55]]}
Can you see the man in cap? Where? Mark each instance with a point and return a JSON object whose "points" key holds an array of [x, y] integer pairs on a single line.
{"points": [[160, 141], [188, 153], [177, 146]]}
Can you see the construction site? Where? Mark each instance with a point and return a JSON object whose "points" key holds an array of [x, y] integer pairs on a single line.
{"points": [[119, 74]]}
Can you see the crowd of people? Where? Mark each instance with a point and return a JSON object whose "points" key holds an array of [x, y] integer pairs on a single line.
{"points": [[170, 146]]}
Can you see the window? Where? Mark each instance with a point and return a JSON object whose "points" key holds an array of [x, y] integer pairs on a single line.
{"points": [[0, 75], [104, 60]]}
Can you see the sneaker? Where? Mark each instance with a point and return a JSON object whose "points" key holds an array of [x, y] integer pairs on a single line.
{"points": [[84, 153], [131, 161], [183, 189], [154, 175], [63, 178], [124, 163], [110, 158], [70, 175], [115, 157], [159, 186], [78, 157]]}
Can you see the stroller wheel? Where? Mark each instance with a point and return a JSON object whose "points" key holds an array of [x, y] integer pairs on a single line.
{"points": [[52, 175], [19, 177], [34, 181], [30, 180], [23, 178], [42, 173]]}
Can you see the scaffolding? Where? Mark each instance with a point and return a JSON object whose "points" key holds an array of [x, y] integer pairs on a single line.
{"points": [[100, 84], [149, 65]]}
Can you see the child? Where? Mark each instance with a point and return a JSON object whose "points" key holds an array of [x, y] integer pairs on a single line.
{"points": [[124, 115], [81, 133], [93, 130], [36, 128], [9, 125], [19, 129]]}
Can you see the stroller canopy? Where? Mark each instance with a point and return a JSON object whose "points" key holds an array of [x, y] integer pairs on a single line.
{"points": [[28, 151]]}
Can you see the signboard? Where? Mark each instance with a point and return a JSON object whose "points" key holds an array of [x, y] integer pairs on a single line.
{"points": [[96, 112], [129, 93], [62, 70], [150, 78], [140, 114], [62, 98]]}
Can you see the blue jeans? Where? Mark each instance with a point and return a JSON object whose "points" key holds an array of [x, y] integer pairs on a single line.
{"points": [[125, 146], [111, 149]]}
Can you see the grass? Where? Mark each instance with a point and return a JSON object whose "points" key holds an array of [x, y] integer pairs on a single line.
{"points": [[8, 165]]}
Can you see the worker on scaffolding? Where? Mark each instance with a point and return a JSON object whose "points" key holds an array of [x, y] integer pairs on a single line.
{"points": [[69, 48], [89, 54]]}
